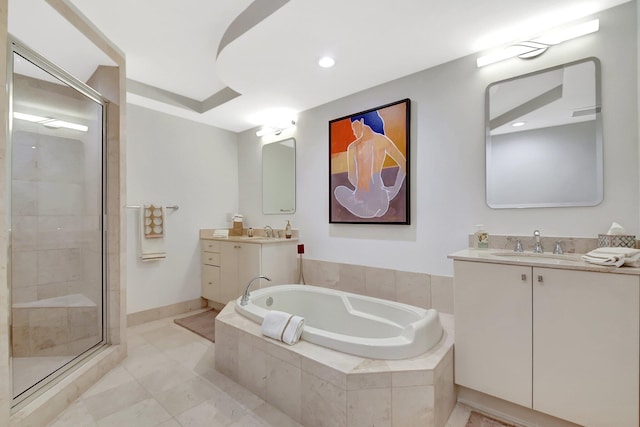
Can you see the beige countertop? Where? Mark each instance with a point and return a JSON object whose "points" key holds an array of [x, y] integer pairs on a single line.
{"points": [[207, 234], [570, 261]]}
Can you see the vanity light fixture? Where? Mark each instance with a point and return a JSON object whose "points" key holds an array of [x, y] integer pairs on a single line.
{"points": [[275, 129], [537, 46], [326, 62], [50, 122]]}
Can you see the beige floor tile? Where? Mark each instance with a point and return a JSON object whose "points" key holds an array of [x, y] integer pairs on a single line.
{"points": [[115, 399], [165, 385], [146, 413], [77, 415], [186, 395]]}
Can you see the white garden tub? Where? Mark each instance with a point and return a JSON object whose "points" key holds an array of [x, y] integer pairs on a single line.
{"points": [[350, 323]]}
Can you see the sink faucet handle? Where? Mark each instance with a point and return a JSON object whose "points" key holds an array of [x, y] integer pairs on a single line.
{"points": [[558, 249], [518, 247]]}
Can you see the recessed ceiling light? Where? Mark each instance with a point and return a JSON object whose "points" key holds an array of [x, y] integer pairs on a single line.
{"points": [[517, 124], [326, 62]]}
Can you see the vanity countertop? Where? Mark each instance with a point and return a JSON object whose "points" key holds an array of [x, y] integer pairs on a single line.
{"points": [[256, 239], [569, 261], [207, 234]]}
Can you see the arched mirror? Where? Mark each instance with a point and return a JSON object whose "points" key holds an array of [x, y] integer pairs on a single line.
{"points": [[544, 138], [279, 177]]}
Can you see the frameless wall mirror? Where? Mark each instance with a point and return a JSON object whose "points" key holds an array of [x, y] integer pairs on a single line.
{"points": [[279, 177], [544, 138]]}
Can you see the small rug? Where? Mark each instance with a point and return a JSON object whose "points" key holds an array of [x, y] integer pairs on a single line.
{"points": [[478, 420], [202, 324]]}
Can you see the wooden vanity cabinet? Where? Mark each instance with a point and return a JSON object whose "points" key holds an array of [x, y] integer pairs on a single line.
{"points": [[227, 266], [563, 342]]}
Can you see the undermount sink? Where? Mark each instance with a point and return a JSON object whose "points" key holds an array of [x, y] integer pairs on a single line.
{"points": [[563, 257]]}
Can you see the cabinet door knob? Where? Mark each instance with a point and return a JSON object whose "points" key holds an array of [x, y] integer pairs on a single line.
{"points": [[540, 278], [523, 277]]}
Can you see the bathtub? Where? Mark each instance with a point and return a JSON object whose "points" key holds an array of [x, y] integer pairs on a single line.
{"points": [[350, 323]]}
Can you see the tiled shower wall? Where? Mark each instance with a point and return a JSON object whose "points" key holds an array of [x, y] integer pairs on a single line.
{"points": [[56, 242], [419, 289]]}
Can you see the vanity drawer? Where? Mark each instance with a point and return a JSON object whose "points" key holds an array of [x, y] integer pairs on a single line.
{"points": [[210, 258], [210, 246]]}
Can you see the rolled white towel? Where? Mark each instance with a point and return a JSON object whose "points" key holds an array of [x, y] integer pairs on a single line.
{"points": [[283, 326], [613, 256], [611, 260], [618, 251]]}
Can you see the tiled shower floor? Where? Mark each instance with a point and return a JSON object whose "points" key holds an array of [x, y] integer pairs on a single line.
{"points": [[168, 380], [27, 371]]}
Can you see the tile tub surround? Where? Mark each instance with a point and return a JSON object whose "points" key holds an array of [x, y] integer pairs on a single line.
{"points": [[318, 386], [419, 289]]}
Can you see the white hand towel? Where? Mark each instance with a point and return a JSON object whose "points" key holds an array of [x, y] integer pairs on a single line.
{"points": [[613, 257], [151, 248], [283, 326]]}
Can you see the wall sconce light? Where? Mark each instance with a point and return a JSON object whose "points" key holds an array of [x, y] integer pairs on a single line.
{"points": [[49, 122], [539, 45], [275, 129]]}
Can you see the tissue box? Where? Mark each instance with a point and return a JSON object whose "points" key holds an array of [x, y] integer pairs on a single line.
{"points": [[616, 240]]}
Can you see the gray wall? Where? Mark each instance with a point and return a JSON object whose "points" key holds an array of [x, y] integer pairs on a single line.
{"points": [[173, 161], [448, 160]]}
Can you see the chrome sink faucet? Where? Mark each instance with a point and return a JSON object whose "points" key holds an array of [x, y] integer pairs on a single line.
{"points": [[246, 294], [268, 231], [537, 245]]}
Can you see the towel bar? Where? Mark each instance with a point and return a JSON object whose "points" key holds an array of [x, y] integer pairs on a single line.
{"points": [[176, 207]]}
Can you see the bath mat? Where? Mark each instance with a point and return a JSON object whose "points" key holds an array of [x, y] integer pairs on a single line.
{"points": [[478, 420], [202, 324]]}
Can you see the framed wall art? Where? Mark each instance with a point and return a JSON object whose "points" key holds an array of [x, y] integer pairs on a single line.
{"points": [[369, 166]]}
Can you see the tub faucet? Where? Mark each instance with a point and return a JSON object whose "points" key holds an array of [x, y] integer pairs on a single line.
{"points": [[245, 296], [537, 245], [268, 231]]}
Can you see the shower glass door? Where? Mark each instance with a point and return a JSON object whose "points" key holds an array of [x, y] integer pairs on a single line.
{"points": [[57, 243]]}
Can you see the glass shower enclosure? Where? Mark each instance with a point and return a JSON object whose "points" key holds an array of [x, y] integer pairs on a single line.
{"points": [[57, 210]]}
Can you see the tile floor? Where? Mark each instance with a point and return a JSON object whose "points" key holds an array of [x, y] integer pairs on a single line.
{"points": [[168, 380]]}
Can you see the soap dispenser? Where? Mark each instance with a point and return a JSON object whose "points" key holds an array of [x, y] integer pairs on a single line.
{"points": [[287, 230], [480, 238]]}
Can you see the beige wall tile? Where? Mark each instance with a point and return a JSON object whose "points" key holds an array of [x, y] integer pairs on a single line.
{"points": [[412, 406], [320, 273], [413, 288], [380, 283], [284, 387], [369, 407], [227, 355], [442, 293], [352, 279], [323, 404], [369, 380], [252, 369]]}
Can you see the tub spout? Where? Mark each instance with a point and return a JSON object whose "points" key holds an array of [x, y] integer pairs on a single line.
{"points": [[245, 296]]}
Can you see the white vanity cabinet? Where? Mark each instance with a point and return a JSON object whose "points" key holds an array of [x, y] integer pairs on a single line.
{"points": [[239, 263], [227, 266], [493, 329], [561, 341], [210, 270], [585, 346]]}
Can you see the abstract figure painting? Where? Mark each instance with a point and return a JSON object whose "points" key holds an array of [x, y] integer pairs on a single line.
{"points": [[369, 166]]}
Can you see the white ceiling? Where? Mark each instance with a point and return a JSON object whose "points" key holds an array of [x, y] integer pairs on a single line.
{"points": [[172, 46]]}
